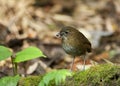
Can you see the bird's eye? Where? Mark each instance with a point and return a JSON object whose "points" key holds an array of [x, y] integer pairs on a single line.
{"points": [[66, 32]]}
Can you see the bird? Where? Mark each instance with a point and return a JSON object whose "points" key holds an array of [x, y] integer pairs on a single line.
{"points": [[74, 43]]}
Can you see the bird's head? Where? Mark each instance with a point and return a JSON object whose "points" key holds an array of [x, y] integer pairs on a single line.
{"points": [[66, 32]]}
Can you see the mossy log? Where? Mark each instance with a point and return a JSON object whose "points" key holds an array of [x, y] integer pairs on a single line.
{"points": [[99, 75]]}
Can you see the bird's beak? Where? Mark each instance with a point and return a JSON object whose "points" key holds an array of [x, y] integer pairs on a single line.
{"points": [[58, 35]]}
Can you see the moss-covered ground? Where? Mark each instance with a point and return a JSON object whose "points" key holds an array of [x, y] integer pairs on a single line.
{"points": [[100, 75]]}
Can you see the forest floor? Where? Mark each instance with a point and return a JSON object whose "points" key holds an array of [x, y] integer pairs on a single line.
{"points": [[25, 23]]}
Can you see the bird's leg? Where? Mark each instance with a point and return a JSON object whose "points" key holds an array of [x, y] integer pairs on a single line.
{"points": [[84, 63], [72, 63]]}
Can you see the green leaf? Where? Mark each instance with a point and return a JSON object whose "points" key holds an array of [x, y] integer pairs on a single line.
{"points": [[49, 76], [42, 83], [4, 53], [9, 81], [57, 75], [28, 54], [61, 76]]}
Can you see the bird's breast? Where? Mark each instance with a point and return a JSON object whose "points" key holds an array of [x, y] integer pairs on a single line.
{"points": [[67, 47], [71, 47]]}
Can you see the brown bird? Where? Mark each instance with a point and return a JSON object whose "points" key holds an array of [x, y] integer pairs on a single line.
{"points": [[74, 43]]}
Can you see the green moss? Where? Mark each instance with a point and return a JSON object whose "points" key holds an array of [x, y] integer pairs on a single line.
{"points": [[30, 81], [101, 75]]}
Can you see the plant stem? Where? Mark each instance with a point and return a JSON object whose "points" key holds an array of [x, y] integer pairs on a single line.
{"points": [[15, 68], [14, 65]]}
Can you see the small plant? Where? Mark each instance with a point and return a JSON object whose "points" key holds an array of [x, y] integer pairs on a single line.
{"points": [[24, 55], [9, 80], [57, 76]]}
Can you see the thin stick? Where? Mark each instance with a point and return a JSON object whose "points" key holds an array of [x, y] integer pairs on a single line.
{"points": [[72, 63], [84, 63]]}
